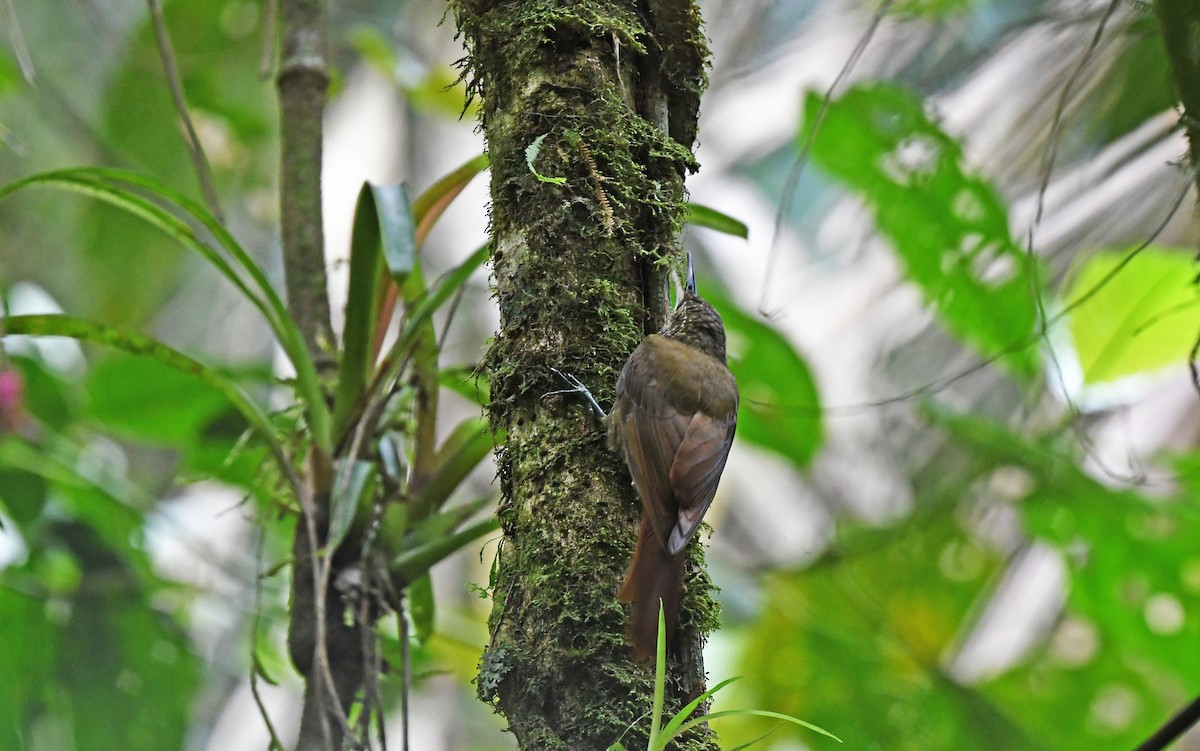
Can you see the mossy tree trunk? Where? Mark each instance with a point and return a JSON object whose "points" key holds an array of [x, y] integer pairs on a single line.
{"points": [[609, 90]]}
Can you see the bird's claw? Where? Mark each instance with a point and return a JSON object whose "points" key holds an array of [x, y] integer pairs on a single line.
{"points": [[577, 387]]}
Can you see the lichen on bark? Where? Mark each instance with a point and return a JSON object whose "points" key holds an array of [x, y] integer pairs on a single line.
{"points": [[581, 240]]}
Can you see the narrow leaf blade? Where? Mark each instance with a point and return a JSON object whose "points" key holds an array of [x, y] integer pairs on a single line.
{"points": [[706, 216]]}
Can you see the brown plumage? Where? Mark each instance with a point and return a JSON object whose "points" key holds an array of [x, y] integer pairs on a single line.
{"points": [[673, 421]]}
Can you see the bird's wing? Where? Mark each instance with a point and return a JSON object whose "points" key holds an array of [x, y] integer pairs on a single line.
{"points": [[695, 472], [653, 433]]}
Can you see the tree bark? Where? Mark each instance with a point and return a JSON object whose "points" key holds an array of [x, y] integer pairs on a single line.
{"points": [[1180, 20], [584, 227]]}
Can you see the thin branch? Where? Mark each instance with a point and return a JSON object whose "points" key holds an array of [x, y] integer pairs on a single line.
{"points": [[1050, 156], [275, 743], [1174, 728], [793, 178], [171, 70]]}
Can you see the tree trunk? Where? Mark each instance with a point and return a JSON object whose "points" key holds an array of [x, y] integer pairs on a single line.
{"points": [[1180, 21], [590, 112]]}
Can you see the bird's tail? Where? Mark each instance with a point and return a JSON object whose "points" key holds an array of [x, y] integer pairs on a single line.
{"points": [[654, 575]]}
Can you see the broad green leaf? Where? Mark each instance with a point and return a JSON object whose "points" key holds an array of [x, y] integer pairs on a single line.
{"points": [[780, 409], [872, 629], [353, 489], [1133, 313], [25, 672], [948, 226], [149, 401], [139, 344], [704, 216], [128, 673], [369, 240], [1132, 613], [397, 229]]}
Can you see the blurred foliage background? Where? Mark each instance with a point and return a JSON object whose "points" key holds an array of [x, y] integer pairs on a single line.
{"points": [[962, 510]]}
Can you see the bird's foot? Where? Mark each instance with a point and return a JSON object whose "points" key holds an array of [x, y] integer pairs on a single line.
{"points": [[577, 387]]}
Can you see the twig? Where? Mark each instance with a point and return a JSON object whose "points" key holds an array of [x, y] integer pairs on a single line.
{"points": [[793, 178], [1174, 727], [1051, 153], [171, 70], [276, 744]]}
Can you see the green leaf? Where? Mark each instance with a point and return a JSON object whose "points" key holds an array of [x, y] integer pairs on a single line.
{"points": [[780, 409], [758, 713], [146, 400], [397, 229], [421, 607], [353, 489], [416, 562], [423, 312], [428, 528], [462, 451], [672, 728], [948, 226], [657, 742], [1133, 314], [430, 205], [115, 187], [468, 381], [531, 154], [380, 236], [45, 395], [138, 344], [704, 216]]}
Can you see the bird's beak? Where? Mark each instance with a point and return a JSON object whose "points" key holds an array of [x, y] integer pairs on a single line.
{"points": [[690, 287]]}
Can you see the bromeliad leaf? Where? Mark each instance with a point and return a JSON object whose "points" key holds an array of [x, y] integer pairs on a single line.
{"points": [[382, 236], [353, 489], [948, 226], [421, 607], [430, 205], [411, 564], [462, 451]]}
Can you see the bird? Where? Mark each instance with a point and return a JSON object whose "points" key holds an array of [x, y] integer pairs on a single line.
{"points": [[673, 421]]}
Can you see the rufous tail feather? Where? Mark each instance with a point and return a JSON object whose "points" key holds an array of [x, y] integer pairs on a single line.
{"points": [[654, 575]]}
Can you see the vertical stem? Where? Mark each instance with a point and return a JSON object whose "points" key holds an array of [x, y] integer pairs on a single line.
{"points": [[325, 649], [303, 82]]}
